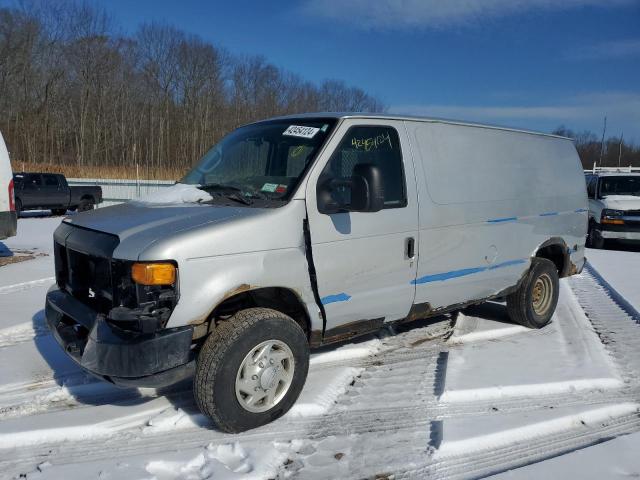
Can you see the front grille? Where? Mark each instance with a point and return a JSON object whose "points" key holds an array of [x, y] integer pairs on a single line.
{"points": [[83, 262], [86, 277]]}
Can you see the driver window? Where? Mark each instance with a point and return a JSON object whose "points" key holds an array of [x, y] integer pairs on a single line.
{"points": [[377, 145]]}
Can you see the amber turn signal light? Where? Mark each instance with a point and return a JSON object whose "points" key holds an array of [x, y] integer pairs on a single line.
{"points": [[613, 221], [153, 273]]}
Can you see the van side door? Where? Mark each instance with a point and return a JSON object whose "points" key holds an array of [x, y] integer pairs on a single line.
{"points": [[31, 195], [365, 262], [55, 194]]}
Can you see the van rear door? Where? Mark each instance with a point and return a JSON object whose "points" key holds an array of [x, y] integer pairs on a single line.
{"points": [[366, 262]]}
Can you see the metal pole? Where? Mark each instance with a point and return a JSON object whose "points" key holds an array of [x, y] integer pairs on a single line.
{"points": [[604, 129], [620, 149]]}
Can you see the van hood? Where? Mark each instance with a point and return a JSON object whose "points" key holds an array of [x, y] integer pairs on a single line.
{"points": [[621, 202], [183, 231], [139, 225], [132, 218]]}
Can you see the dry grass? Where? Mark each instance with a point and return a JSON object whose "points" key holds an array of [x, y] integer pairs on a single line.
{"points": [[74, 171]]}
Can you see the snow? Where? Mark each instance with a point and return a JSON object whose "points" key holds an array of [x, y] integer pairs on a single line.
{"points": [[408, 402], [617, 458], [176, 194], [621, 269], [565, 356], [463, 436]]}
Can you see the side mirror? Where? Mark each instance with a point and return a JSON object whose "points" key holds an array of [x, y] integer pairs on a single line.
{"points": [[365, 185], [367, 191]]}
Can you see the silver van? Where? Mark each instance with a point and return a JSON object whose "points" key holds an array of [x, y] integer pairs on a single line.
{"points": [[301, 231]]}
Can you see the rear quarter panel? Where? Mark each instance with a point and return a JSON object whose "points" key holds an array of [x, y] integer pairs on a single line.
{"points": [[488, 199]]}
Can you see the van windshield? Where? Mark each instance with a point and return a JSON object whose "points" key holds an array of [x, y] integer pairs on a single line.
{"points": [[620, 185], [260, 161]]}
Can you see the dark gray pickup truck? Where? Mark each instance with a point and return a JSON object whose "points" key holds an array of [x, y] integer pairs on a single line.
{"points": [[35, 191]]}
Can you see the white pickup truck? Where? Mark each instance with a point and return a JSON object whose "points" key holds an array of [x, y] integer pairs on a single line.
{"points": [[614, 205]]}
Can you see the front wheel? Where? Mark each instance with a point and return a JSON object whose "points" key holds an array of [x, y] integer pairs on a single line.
{"points": [[594, 237], [251, 369], [533, 304]]}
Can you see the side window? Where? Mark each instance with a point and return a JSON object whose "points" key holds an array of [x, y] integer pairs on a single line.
{"points": [[376, 145], [50, 181], [32, 180]]}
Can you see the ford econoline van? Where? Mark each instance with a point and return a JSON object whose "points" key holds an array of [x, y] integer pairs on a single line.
{"points": [[296, 232], [8, 217]]}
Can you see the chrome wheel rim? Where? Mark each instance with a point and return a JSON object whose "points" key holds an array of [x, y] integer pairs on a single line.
{"points": [[542, 294], [264, 376]]}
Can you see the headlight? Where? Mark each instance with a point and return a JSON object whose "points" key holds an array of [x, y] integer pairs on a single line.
{"points": [[153, 273], [612, 217]]}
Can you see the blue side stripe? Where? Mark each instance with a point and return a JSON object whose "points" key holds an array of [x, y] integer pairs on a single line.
{"points": [[508, 263], [440, 277], [544, 214], [340, 297]]}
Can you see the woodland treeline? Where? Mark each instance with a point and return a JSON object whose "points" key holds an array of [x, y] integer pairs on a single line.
{"points": [[75, 93], [612, 152], [79, 97]]}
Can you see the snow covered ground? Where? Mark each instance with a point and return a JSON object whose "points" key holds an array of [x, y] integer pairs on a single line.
{"points": [[620, 266], [461, 397]]}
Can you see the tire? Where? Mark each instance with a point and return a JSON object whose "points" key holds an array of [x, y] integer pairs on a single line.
{"points": [[18, 206], [219, 387], [58, 211], [541, 283], [594, 238], [86, 204]]}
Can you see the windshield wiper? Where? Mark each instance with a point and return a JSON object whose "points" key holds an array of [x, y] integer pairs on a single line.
{"points": [[238, 198], [219, 186]]}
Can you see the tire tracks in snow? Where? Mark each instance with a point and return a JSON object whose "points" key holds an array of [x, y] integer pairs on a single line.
{"points": [[376, 406], [617, 326], [620, 338], [48, 394], [20, 287]]}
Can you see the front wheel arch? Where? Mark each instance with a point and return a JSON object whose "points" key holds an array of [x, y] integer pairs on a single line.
{"points": [[281, 299]]}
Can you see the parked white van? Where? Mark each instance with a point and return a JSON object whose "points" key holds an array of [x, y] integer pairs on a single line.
{"points": [[8, 217], [296, 232], [614, 205]]}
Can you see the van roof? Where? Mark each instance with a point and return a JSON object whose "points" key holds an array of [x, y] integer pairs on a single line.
{"points": [[389, 116]]}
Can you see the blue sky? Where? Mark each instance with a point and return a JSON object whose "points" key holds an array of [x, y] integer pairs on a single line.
{"points": [[527, 63]]}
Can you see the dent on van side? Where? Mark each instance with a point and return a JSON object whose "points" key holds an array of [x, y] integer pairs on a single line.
{"points": [[296, 232]]}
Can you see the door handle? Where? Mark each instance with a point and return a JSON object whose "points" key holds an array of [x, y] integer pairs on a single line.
{"points": [[410, 248]]}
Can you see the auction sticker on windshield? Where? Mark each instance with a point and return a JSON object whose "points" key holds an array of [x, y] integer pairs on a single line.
{"points": [[300, 131]]}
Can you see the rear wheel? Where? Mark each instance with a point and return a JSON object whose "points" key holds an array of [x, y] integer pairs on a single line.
{"points": [[18, 207], [533, 304], [85, 205], [251, 369]]}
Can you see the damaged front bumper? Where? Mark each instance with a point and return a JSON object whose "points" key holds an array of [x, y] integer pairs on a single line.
{"points": [[118, 356]]}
